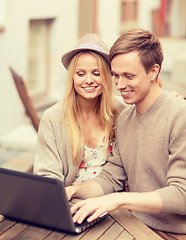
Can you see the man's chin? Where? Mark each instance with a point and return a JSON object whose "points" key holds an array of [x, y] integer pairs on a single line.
{"points": [[128, 101]]}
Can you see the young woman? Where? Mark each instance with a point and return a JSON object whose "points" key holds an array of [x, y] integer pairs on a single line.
{"points": [[76, 134]]}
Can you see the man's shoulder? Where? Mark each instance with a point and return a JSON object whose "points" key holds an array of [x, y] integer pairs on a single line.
{"points": [[174, 108], [127, 111], [175, 103]]}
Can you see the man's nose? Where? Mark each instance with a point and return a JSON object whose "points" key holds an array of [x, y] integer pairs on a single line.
{"points": [[121, 83]]}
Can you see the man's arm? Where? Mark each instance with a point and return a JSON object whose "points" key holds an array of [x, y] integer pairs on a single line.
{"points": [[149, 202]]}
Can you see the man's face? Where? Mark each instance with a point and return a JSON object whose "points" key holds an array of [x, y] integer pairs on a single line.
{"points": [[131, 78]]}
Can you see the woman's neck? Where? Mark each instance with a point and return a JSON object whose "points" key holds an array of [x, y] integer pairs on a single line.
{"points": [[91, 124], [88, 108]]}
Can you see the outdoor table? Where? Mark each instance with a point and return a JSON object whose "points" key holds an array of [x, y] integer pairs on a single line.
{"points": [[119, 224]]}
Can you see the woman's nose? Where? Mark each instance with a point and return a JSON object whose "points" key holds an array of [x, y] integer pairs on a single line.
{"points": [[89, 79]]}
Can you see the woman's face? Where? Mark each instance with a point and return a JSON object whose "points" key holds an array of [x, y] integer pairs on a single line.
{"points": [[87, 79]]}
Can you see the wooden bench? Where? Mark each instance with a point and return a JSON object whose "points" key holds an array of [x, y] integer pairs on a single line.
{"points": [[22, 162], [25, 98]]}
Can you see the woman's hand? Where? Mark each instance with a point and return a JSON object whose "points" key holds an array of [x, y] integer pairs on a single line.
{"points": [[70, 191], [176, 94], [84, 190]]}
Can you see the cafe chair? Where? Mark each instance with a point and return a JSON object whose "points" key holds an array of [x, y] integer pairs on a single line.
{"points": [[25, 98]]}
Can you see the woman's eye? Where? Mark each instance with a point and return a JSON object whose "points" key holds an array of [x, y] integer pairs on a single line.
{"points": [[96, 74], [80, 74]]}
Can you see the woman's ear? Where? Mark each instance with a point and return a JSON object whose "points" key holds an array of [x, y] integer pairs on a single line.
{"points": [[154, 72]]}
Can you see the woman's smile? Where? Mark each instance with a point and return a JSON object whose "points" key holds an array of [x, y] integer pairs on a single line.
{"points": [[87, 79]]}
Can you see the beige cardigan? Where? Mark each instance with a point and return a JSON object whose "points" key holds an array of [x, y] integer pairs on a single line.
{"points": [[53, 153]]}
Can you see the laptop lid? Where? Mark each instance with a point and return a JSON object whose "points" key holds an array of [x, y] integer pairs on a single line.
{"points": [[37, 200]]}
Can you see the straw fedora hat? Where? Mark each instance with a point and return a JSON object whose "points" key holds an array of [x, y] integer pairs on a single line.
{"points": [[90, 42]]}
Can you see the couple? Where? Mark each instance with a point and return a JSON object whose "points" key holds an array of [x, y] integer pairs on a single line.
{"points": [[147, 141]]}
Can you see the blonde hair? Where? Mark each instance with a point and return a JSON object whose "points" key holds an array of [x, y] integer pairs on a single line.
{"points": [[72, 112]]}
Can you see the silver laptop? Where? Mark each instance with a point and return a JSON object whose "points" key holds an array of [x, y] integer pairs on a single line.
{"points": [[37, 200]]}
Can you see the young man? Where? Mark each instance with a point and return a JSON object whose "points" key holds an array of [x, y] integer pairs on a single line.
{"points": [[150, 149]]}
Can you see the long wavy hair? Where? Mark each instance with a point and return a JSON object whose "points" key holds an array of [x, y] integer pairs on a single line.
{"points": [[72, 112]]}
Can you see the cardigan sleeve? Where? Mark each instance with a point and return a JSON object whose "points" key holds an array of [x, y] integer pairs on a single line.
{"points": [[47, 160]]}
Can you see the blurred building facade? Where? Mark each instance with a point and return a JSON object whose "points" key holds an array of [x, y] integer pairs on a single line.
{"points": [[34, 35]]}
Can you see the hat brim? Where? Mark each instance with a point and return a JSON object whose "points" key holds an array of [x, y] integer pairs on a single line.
{"points": [[67, 57]]}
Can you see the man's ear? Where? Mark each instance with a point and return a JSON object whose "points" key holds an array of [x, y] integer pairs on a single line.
{"points": [[154, 72]]}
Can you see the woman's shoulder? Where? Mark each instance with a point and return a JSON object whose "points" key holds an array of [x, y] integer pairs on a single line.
{"points": [[54, 112], [119, 103]]}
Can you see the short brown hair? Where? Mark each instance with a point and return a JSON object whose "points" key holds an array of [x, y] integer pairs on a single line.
{"points": [[145, 43]]}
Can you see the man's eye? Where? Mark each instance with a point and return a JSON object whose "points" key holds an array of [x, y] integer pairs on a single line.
{"points": [[115, 75], [130, 77]]}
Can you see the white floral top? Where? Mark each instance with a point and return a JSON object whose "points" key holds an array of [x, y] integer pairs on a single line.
{"points": [[92, 163]]}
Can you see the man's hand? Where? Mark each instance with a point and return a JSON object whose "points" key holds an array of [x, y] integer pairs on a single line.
{"points": [[94, 207], [147, 202]]}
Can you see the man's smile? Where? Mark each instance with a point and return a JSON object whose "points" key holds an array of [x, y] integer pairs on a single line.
{"points": [[126, 93]]}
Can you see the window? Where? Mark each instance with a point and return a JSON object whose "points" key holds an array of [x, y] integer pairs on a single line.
{"points": [[2, 15], [169, 19], [38, 57], [87, 16], [129, 11], [129, 14]]}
